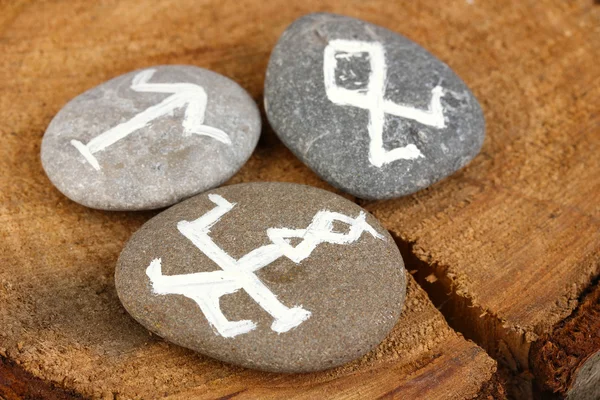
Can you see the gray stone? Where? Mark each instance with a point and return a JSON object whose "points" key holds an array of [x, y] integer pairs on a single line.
{"points": [[393, 119], [299, 287], [586, 384], [150, 138]]}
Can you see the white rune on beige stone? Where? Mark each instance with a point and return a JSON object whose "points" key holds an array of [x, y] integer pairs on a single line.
{"points": [[206, 288]]}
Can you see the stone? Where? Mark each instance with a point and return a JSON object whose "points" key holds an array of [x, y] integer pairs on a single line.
{"points": [[150, 138], [273, 276], [370, 111]]}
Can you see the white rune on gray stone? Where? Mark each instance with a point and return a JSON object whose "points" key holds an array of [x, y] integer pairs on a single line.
{"points": [[150, 138], [188, 95]]}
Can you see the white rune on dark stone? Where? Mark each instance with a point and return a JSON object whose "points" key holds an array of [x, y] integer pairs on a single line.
{"points": [[373, 99]]}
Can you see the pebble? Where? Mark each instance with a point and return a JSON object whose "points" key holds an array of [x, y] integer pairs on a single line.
{"points": [[370, 111], [272, 276], [150, 138]]}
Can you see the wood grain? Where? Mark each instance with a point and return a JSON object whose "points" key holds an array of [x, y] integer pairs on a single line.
{"points": [[60, 319], [508, 245]]}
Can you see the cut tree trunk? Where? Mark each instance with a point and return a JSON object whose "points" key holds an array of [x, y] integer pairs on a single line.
{"points": [[507, 246], [566, 362], [61, 324]]}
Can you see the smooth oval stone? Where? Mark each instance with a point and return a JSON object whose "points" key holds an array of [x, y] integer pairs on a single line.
{"points": [[273, 276], [370, 111], [150, 138]]}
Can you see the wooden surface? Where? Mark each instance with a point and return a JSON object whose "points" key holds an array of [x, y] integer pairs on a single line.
{"points": [[505, 247], [60, 317], [514, 239]]}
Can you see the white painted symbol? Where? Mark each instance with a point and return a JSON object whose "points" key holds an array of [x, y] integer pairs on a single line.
{"points": [[206, 288], [373, 99], [192, 95]]}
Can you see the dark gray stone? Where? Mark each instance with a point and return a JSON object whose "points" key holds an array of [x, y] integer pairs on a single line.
{"points": [[311, 298], [167, 153], [381, 84]]}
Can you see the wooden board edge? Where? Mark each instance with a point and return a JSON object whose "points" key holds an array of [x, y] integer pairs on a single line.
{"points": [[509, 346], [17, 383]]}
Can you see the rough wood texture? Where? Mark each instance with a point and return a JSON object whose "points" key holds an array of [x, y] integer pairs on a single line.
{"points": [[60, 319], [508, 245], [16, 383], [571, 353]]}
